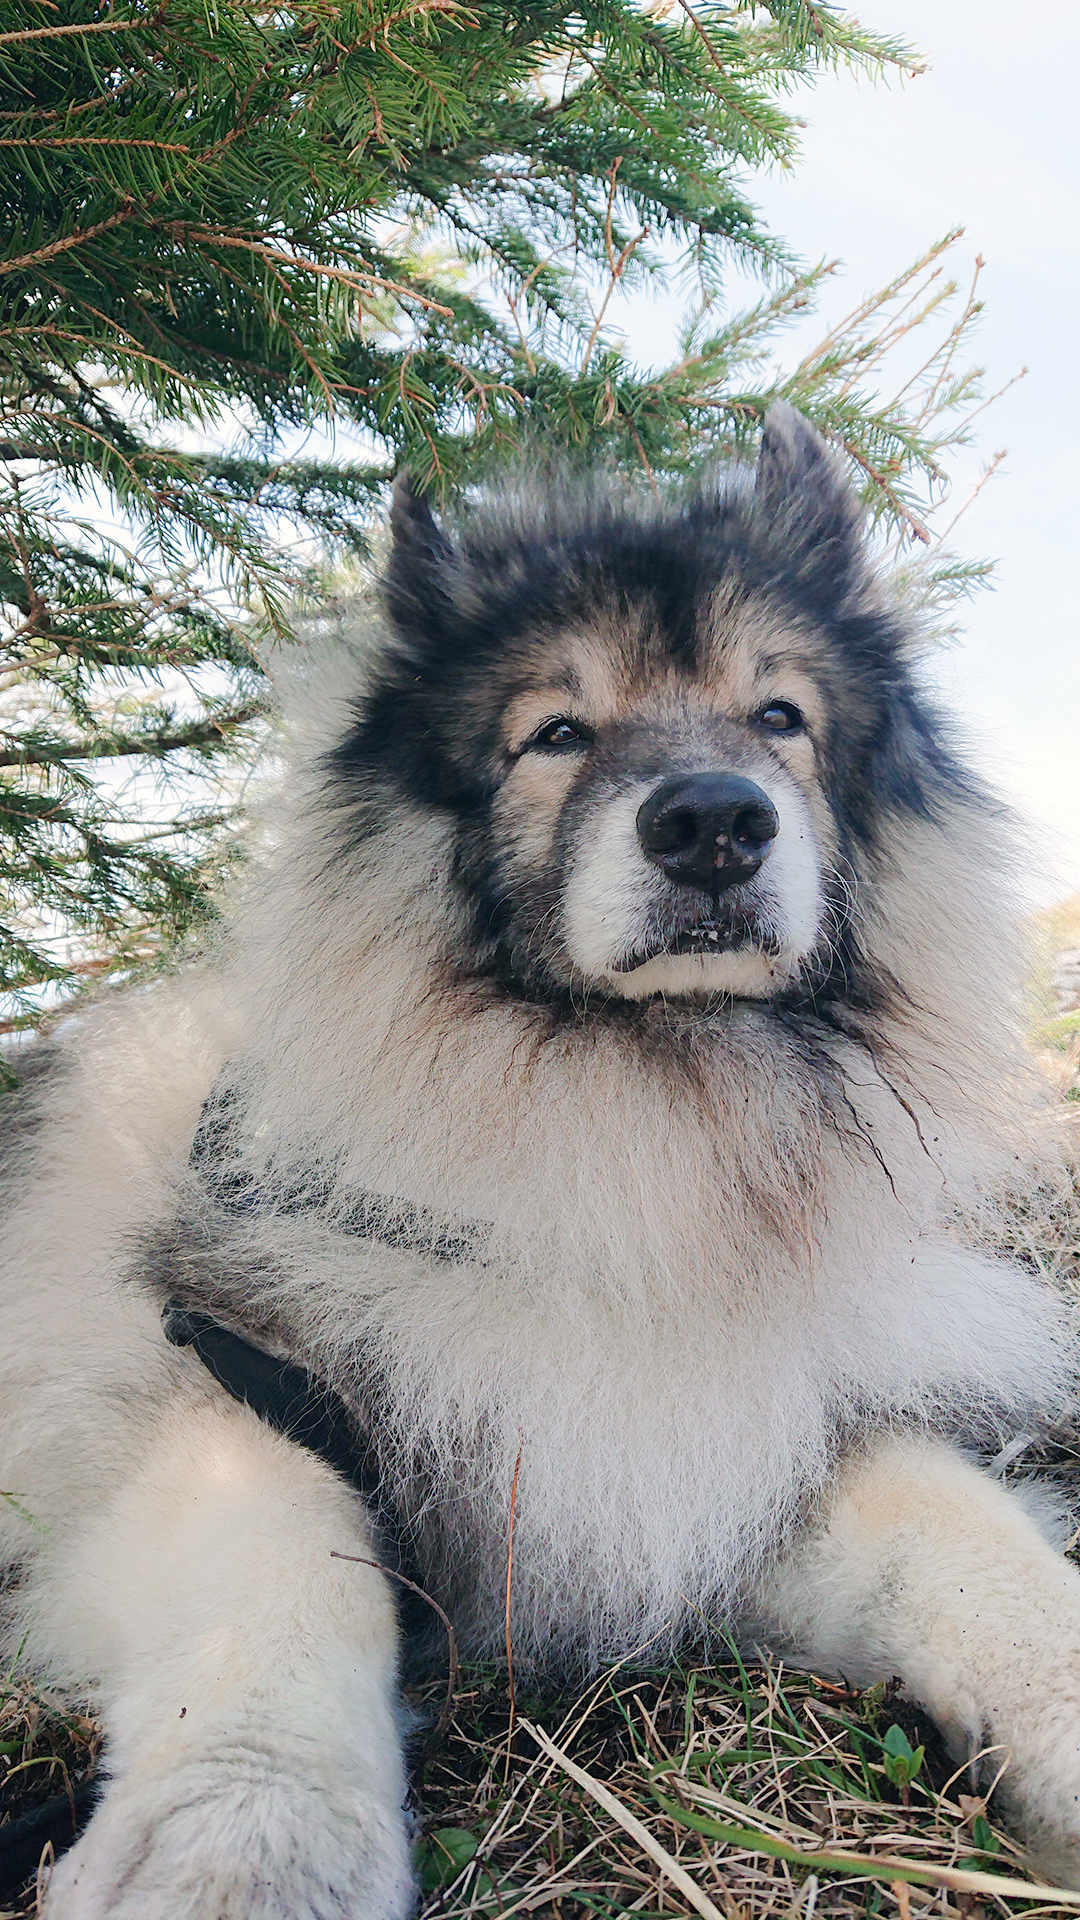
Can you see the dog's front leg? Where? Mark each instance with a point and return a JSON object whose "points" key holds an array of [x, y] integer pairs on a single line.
{"points": [[926, 1568], [248, 1687]]}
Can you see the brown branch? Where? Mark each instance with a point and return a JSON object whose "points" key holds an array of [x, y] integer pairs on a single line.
{"points": [[123, 745], [987, 474], [419, 7], [84, 106], [135, 351], [17, 450], [903, 513], [704, 38], [358, 277], [91, 26], [73, 239], [455, 1664], [874, 302], [512, 303], [512, 1721], [99, 140], [615, 266], [644, 458]]}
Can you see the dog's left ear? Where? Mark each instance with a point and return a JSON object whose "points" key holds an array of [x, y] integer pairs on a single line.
{"points": [[808, 503], [416, 587]]}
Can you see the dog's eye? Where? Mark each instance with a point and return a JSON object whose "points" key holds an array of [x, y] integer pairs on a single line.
{"points": [[559, 736], [780, 717]]}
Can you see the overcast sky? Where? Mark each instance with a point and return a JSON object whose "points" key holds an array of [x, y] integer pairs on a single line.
{"points": [[987, 138]]}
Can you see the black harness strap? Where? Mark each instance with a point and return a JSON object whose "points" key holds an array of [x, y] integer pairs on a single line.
{"points": [[291, 1401], [284, 1395], [59, 1819], [369, 1216]]}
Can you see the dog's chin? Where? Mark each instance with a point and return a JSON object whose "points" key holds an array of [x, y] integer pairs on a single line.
{"points": [[737, 973]]}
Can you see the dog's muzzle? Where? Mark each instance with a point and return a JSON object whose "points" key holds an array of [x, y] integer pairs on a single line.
{"points": [[707, 830]]}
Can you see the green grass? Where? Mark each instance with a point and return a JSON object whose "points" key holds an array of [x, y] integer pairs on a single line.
{"points": [[753, 1782], [47, 1747]]}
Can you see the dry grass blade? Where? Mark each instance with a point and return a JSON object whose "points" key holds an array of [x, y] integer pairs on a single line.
{"points": [[628, 1821], [744, 1792], [898, 1869], [893, 1866]]}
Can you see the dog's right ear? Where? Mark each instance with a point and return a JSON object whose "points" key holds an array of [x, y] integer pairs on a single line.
{"points": [[805, 498], [416, 576]]}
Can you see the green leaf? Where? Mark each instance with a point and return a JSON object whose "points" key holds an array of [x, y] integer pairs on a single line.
{"points": [[24, 1513], [901, 1760], [441, 1857], [984, 1836]]}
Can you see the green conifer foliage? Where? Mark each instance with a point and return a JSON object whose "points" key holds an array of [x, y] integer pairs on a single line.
{"points": [[224, 222]]}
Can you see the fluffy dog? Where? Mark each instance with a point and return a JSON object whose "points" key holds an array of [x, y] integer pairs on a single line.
{"points": [[617, 1038]]}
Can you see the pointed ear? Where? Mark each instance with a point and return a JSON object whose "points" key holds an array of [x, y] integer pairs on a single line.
{"points": [[416, 587], [807, 502], [412, 522]]}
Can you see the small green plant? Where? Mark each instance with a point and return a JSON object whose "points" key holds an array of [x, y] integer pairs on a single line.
{"points": [[984, 1836], [902, 1761], [988, 1844], [442, 1856]]}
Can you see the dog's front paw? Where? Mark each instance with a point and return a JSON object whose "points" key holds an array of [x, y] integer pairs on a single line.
{"points": [[235, 1841], [1040, 1795]]}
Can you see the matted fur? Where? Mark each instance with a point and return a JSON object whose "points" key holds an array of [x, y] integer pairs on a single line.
{"points": [[723, 1202]]}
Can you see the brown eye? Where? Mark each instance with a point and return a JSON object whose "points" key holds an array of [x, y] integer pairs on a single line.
{"points": [[780, 717], [559, 736]]}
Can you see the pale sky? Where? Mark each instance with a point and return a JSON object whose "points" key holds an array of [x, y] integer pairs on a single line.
{"points": [[986, 138]]}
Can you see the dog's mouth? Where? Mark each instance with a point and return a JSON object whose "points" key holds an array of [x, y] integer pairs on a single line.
{"points": [[736, 934]]}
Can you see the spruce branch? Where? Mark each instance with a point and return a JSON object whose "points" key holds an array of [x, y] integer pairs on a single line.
{"points": [[67, 244], [115, 746], [23, 34]]}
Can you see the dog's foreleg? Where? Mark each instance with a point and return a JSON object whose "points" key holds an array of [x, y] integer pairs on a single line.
{"points": [[247, 1683], [926, 1568]]}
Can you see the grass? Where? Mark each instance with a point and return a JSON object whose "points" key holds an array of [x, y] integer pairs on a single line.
{"points": [[732, 1790], [1054, 932], [48, 1749]]}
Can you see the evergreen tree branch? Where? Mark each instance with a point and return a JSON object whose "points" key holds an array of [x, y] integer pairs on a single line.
{"points": [[67, 244], [206, 733], [81, 29]]}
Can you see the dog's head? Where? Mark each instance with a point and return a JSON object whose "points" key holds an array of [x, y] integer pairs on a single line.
{"points": [[663, 735]]}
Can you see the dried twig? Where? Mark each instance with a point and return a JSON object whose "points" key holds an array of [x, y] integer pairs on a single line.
{"points": [[509, 1577], [616, 266], [392, 1573]]}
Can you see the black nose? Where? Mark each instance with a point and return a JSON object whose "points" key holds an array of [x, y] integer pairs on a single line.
{"points": [[708, 830]]}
